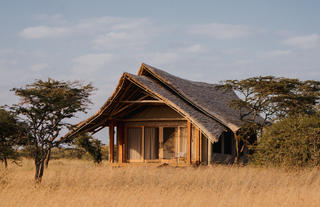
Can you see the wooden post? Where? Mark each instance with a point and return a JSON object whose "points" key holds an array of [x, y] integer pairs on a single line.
{"points": [[237, 139], [197, 146], [125, 146], [160, 143], [111, 141], [142, 144], [189, 143], [209, 151], [120, 138]]}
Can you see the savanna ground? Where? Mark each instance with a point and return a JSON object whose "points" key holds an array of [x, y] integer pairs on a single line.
{"points": [[81, 183]]}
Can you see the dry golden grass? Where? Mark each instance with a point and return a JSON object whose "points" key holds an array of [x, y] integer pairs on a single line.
{"points": [[80, 183]]}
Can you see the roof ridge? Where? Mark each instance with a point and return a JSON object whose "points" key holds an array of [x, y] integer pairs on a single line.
{"points": [[151, 70]]}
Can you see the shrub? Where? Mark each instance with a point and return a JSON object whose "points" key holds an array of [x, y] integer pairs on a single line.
{"points": [[293, 141], [90, 145]]}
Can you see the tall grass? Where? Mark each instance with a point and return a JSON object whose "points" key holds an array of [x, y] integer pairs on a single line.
{"points": [[81, 183]]}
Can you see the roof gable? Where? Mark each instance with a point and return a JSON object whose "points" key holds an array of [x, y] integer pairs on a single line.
{"points": [[213, 101]]}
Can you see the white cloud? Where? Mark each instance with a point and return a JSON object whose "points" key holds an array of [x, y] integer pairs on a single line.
{"points": [[89, 63], [195, 48], [39, 32], [127, 39], [304, 42], [221, 31], [103, 29]]}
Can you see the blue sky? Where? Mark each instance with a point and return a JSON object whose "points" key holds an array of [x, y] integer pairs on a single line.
{"points": [[95, 41]]}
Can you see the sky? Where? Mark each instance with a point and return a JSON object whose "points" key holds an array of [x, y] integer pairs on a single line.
{"points": [[96, 41]]}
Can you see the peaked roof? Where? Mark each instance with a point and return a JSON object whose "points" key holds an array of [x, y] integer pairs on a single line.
{"points": [[205, 105], [207, 98]]}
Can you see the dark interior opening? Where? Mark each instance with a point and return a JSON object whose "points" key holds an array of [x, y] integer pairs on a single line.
{"points": [[216, 147], [228, 136]]}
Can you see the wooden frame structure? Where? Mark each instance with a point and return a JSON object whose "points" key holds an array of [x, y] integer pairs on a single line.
{"points": [[195, 117]]}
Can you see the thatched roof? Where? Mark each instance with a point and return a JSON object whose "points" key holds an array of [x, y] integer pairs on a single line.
{"points": [[208, 98], [205, 105]]}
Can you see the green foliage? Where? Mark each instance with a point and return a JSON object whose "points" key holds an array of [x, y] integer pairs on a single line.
{"points": [[44, 107], [274, 97], [90, 145], [266, 99], [10, 136], [293, 141]]}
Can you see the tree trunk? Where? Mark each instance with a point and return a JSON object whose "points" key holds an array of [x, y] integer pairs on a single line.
{"points": [[48, 158], [5, 162], [39, 170], [36, 175]]}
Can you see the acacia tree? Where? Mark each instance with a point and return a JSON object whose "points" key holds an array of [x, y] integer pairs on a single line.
{"points": [[11, 135], [45, 106], [267, 98]]}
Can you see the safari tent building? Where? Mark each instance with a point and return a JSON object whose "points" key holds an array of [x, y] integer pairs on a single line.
{"points": [[157, 117]]}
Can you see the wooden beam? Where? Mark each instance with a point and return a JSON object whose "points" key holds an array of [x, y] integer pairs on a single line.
{"points": [[197, 145], [119, 110], [98, 129], [143, 102], [120, 138], [123, 95], [155, 119], [111, 141], [189, 142]]}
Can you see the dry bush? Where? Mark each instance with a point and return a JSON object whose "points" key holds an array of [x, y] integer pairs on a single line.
{"points": [[81, 183]]}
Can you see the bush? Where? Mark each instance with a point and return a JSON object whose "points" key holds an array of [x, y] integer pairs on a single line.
{"points": [[293, 141], [90, 145]]}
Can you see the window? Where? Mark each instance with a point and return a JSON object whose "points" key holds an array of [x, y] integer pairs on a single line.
{"points": [[134, 143], [169, 142], [183, 142], [151, 143]]}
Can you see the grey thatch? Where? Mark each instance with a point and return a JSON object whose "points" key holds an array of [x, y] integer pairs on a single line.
{"points": [[208, 98], [205, 105]]}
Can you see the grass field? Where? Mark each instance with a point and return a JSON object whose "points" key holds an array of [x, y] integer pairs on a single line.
{"points": [[81, 183]]}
